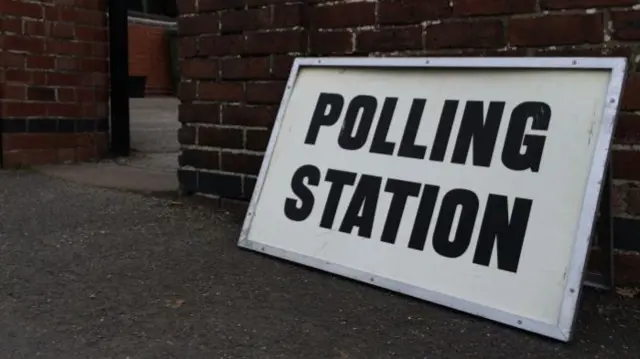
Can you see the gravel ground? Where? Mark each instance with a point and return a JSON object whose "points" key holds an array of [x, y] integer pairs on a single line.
{"points": [[95, 273]]}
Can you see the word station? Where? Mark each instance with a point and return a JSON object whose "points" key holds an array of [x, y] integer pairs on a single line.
{"points": [[522, 150]]}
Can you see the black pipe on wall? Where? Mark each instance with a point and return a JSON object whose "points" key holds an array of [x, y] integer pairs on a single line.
{"points": [[120, 141]]}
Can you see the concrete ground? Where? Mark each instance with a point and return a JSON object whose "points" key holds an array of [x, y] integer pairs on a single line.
{"points": [[152, 166], [89, 272], [154, 133], [154, 124]]}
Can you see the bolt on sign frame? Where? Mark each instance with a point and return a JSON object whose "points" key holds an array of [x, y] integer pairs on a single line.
{"points": [[596, 175]]}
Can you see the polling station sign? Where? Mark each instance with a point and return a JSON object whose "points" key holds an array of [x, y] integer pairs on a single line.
{"points": [[469, 182]]}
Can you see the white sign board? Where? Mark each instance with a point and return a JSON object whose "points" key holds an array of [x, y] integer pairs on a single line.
{"points": [[467, 182]]}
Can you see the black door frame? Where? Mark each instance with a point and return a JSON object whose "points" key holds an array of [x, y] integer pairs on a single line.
{"points": [[120, 137]]}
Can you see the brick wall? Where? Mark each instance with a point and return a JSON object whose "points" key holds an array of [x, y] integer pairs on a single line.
{"points": [[53, 81], [149, 56], [236, 55]]}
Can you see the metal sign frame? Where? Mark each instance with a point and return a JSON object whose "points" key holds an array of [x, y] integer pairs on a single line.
{"points": [[605, 236], [563, 330]]}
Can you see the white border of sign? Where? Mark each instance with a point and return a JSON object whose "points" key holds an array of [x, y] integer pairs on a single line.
{"points": [[564, 328]]}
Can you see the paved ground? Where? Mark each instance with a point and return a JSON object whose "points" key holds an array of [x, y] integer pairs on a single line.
{"points": [[147, 173], [154, 124], [97, 273]]}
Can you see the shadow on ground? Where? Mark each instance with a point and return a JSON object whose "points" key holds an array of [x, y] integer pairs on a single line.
{"points": [[97, 273]]}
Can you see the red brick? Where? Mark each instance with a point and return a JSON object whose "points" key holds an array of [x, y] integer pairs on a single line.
{"points": [[556, 30], [20, 8], [633, 201], [66, 94], [591, 51], [41, 157], [101, 141], [68, 14], [84, 95], [101, 79], [288, 15], [22, 109], [40, 62], [333, 42], [83, 139], [11, 60], [99, 5], [51, 13], [265, 92], [13, 92], [628, 129], [220, 91], [64, 110], [93, 18], [35, 28], [26, 44], [625, 165], [66, 64], [67, 155], [246, 68], [467, 34], [630, 98], [13, 159], [200, 159], [626, 267], [187, 91], [86, 33], [258, 116], [252, 3], [405, 38], [18, 76], [277, 42], [82, 16], [63, 31], [64, 47], [241, 163], [243, 20], [339, 15], [100, 50], [215, 5], [492, 7], [257, 140], [186, 7], [221, 45], [626, 25], [11, 25], [568, 4], [198, 24], [412, 11], [187, 135], [41, 94], [94, 110], [101, 94], [66, 140], [199, 113], [199, 69], [28, 141], [94, 65], [87, 154], [281, 66], [39, 78], [220, 137], [187, 47]]}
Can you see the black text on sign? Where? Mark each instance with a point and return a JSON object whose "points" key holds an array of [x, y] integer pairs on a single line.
{"points": [[501, 229]]}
